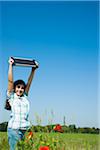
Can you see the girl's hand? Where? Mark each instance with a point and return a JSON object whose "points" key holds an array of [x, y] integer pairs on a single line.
{"points": [[36, 66], [11, 61]]}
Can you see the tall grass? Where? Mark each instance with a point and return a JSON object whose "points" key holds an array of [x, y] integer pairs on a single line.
{"points": [[56, 141]]}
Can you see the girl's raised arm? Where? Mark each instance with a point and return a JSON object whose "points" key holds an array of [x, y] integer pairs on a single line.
{"points": [[29, 80], [31, 77]]}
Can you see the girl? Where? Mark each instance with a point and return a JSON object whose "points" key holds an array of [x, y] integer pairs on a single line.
{"points": [[17, 100]]}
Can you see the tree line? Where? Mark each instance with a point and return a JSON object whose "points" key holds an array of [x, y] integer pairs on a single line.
{"points": [[57, 128]]}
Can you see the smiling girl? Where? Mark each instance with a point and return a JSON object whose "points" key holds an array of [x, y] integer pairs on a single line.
{"points": [[17, 99]]}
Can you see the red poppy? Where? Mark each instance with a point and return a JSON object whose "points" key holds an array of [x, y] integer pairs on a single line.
{"points": [[44, 148], [58, 128]]}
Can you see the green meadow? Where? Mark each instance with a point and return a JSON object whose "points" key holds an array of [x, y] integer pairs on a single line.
{"points": [[56, 141]]}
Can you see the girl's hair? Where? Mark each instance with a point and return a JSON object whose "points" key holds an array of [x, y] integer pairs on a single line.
{"points": [[19, 82]]}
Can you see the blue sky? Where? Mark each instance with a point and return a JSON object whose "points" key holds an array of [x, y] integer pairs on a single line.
{"points": [[63, 38]]}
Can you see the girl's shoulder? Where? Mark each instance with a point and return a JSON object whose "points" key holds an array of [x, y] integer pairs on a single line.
{"points": [[25, 96]]}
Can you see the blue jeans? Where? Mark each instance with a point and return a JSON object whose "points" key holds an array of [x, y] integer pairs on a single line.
{"points": [[14, 135]]}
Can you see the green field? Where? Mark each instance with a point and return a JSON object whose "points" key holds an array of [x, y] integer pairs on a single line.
{"points": [[63, 141]]}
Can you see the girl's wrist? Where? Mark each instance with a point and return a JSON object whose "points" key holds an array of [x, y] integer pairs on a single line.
{"points": [[33, 69]]}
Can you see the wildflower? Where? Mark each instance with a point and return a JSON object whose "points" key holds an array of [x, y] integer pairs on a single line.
{"points": [[44, 148], [30, 135], [58, 128]]}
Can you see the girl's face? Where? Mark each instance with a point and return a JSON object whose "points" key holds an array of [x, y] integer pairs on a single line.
{"points": [[19, 89]]}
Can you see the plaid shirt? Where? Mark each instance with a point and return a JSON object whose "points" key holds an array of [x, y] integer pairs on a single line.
{"points": [[19, 111]]}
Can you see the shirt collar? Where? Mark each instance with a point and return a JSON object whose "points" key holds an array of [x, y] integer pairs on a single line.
{"points": [[19, 97]]}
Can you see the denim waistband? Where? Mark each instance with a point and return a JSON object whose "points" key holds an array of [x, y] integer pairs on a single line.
{"points": [[17, 129]]}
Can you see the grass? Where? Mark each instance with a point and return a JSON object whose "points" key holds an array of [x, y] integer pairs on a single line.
{"points": [[59, 141]]}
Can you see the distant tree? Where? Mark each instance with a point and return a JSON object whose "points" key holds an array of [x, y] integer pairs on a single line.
{"points": [[66, 129], [88, 130], [72, 128], [3, 126], [97, 131], [81, 130]]}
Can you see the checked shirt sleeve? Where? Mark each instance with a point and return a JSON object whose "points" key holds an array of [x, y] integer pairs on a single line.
{"points": [[10, 97]]}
